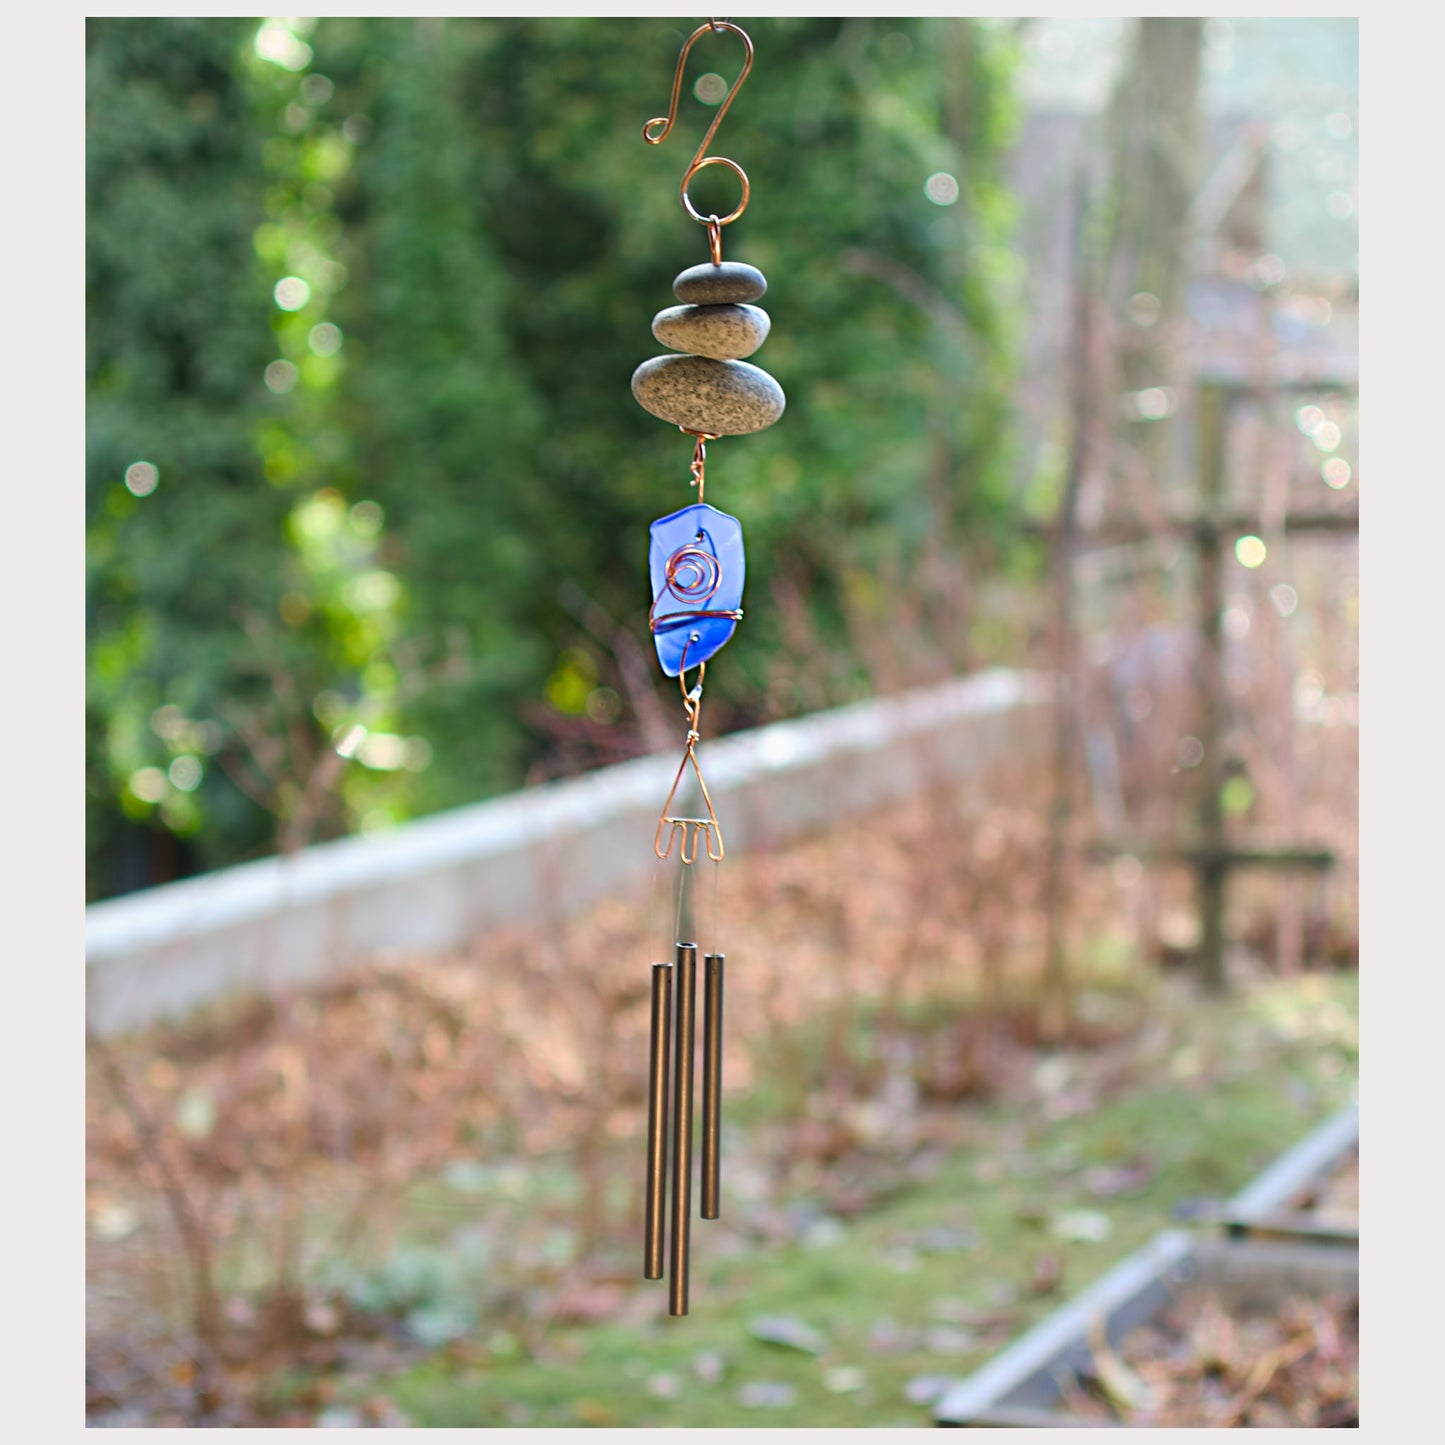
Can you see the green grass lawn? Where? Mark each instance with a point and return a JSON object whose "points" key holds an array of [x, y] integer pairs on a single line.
{"points": [[1037, 1195]]}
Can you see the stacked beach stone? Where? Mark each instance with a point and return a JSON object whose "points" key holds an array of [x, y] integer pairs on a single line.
{"points": [[711, 388]]}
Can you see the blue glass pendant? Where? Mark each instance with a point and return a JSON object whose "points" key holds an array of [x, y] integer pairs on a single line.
{"points": [[696, 562]]}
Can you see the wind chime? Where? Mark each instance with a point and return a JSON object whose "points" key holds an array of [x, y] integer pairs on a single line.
{"points": [[707, 390]]}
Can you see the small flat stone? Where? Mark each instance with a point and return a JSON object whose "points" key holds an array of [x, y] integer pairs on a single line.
{"points": [[726, 398], [728, 281], [725, 333]]}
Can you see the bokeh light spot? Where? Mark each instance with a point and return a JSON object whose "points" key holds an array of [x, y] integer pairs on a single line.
{"points": [[317, 89], [1309, 693], [350, 740], [168, 721], [1341, 205], [603, 705], [1269, 270], [1143, 308], [1336, 472], [1236, 796], [281, 377], [1235, 622], [1326, 436], [710, 88], [1154, 403], [276, 42], [329, 707], [1339, 125], [292, 293], [325, 339], [1307, 418], [941, 188], [373, 591], [141, 478], [1189, 752], [148, 784], [366, 518], [1250, 551], [1127, 870], [185, 773], [295, 608], [1285, 599], [386, 752]]}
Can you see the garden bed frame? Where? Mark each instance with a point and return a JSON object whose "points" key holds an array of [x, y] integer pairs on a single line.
{"points": [[1276, 1204], [1268, 1247]]}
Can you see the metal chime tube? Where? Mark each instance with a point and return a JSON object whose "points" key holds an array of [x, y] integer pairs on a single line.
{"points": [[712, 1007], [685, 971], [657, 1119]]}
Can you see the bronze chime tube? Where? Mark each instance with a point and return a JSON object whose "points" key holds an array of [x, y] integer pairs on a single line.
{"points": [[712, 1007], [657, 1119], [685, 972]]}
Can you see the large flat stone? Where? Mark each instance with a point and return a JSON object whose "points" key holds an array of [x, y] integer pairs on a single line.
{"points": [[725, 398]]}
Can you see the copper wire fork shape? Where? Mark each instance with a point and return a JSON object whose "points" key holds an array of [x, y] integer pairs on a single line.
{"points": [[690, 829]]}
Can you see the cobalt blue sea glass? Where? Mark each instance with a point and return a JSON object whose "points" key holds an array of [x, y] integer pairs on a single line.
{"points": [[696, 562]]}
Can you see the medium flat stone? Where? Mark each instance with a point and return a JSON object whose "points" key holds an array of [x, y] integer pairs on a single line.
{"points": [[729, 281], [726, 398], [725, 333]]}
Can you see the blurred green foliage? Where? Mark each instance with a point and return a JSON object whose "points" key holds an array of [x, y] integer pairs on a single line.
{"points": [[365, 294]]}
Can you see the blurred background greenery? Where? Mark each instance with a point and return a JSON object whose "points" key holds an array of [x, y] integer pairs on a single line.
{"points": [[365, 296], [368, 501]]}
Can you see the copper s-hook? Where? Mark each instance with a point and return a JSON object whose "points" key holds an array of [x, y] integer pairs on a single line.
{"points": [[700, 160]]}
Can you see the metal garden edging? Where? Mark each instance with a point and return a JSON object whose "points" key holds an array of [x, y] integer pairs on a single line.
{"points": [[1263, 1241]]}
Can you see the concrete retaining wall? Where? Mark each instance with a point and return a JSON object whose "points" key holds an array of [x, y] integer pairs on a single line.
{"points": [[433, 884]]}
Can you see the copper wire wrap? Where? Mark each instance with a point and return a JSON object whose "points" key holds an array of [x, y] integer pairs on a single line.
{"points": [[704, 565], [698, 467], [701, 160]]}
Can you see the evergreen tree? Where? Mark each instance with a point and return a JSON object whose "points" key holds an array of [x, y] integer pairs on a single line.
{"points": [[368, 293]]}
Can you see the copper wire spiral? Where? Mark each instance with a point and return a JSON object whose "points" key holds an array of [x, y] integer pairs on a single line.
{"points": [[706, 581]]}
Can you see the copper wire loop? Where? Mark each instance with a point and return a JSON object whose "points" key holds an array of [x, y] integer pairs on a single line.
{"points": [[701, 159], [714, 240]]}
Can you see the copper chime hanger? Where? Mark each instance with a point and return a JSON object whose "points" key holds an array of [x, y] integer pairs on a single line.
{"points": [[690, 580]]}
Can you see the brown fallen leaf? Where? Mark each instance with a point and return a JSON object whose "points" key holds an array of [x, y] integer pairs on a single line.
{"points": [[1047, 1275], [586, 1301], [1106, 1181]]}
